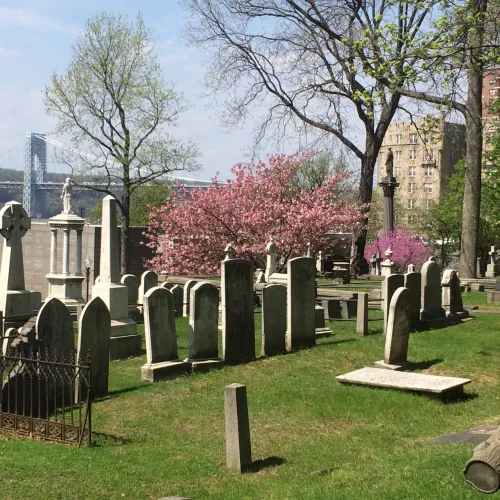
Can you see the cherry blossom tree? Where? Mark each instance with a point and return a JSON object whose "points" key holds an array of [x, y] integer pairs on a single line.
{"points": [[407, 248], [190, 232]]}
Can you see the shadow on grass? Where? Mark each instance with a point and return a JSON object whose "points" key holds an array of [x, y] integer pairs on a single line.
{"points": [[333, 342], [123, 391], [258, 465], [453, 398], [100, 439], [421, 365]]}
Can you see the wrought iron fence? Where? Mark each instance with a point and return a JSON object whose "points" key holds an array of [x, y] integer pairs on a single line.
{"points": [[47, 399]]}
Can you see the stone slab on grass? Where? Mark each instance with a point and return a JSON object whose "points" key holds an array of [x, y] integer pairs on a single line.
{"points": [[164, 371], [419, 382], [475, 435]]}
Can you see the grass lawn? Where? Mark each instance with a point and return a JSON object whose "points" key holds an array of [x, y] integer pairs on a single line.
{"points": [[168, 438]]}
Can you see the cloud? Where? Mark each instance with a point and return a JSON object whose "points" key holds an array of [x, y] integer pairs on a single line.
{"points": [[4, 52], [30, 19]]}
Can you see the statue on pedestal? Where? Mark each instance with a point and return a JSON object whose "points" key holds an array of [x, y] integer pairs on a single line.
{"points": [[67, 192], [389, 164]]}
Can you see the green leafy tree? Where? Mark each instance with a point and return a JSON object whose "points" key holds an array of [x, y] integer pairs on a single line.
{"points": [[114, 104]]}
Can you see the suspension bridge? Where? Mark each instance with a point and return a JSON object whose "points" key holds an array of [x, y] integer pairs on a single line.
{"points": [[31, 156]]}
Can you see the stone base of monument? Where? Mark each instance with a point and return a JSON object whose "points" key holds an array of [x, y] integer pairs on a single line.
{"points": [[68, 289], [124, 346], [493, 297], [456, 316], [205, 365], [492, 270], [418, 382], [433, 318], [135, 313], [155, 372], [323, 332], [18, 309]]}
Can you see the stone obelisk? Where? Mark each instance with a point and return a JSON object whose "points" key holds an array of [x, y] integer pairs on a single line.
{"points": [[125, 341]]}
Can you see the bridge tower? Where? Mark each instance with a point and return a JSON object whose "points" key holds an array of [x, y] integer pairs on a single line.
{"points": [[35, 168]]}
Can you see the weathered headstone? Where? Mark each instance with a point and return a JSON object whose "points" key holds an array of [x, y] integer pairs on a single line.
{"points": [[203, 330], [54, 330], [389, 287], [187, 296], [301, 291], [15, 301], [413, 282], [273, 320], [362, 314], [238, 445], [178, 295], [238, 331], [271, 255], [130, 281], [492, 269], [161, 341], [348, 308], [431, 309], [387, 266], [94, 331], [332, 309], [125, 341], [149, 279], [452, 297], [398, 328], [320, 328]]}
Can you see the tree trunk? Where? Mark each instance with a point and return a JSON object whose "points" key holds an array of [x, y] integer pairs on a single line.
{"points": [[474, 140], [125, 232], [359, 264], [483, 470]]}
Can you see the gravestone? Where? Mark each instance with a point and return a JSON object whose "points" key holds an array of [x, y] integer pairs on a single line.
{"points": [[203, 330], [15, 301], [349, 309], [332, 309], [229, 252], [373, 264], [238, 446], [320, 328], [431, 309], [387, 266], [149, 279], [271, 255], [187, 296], [178, 296], [301, 292], [492, 269], [389, 287], [362, 314], [125, 341], [238, 332], [398, 330], [130, 281], [54, 330], [273, 320], [161, 341], [413, 282], [452, 297], [94, 331]]}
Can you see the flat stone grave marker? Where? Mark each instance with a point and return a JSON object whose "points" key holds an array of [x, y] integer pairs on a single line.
{"points": [[418, 382], [475, 435]]}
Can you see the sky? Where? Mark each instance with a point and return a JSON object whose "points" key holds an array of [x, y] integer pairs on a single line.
{"points": [[36, 40]]}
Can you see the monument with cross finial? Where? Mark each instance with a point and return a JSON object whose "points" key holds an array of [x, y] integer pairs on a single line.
{"points": [[15, 301], [492, 269]]}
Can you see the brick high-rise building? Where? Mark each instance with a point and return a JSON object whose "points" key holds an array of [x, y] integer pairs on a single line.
{"points": [[423, 158], [491, 92]]}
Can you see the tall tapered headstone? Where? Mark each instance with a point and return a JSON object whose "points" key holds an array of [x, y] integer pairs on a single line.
{"points": [[186, 300], [413, 281], [149, 279], [15, 301], [398, 328], [273, 320], [125, 341], [389, 286], [94, 328], [301, 292], [238, 333], [431, 309]]}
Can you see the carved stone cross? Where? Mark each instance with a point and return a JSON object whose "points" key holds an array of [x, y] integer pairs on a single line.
{"points": [[14, 223], [230, 252], [492, 255]]}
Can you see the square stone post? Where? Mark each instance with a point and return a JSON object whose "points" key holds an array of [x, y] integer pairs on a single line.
{"points": [[238, 447]]}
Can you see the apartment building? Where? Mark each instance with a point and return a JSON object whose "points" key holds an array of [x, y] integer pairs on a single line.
{"points": [[424, 156], [491, 92]]}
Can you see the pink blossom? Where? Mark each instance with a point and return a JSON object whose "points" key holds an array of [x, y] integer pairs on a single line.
{"points": [[193, 227]]}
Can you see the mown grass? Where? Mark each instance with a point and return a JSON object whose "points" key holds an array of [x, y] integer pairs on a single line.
{"points": [[168, 438]]}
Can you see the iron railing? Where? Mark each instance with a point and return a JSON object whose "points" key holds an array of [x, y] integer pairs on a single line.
{"points": [[45, 398]]}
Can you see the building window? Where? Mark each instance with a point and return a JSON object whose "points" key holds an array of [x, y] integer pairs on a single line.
{"points": [[411, 203], [412, 154], [412, 171], [429, 154], [427, 188], [428, 171], [397, 155], [426, 137], [399, 139], [413, 139], [410, 219], [412, 187], [492, 82], [492, 92], [397, 171], [427, 204]]}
